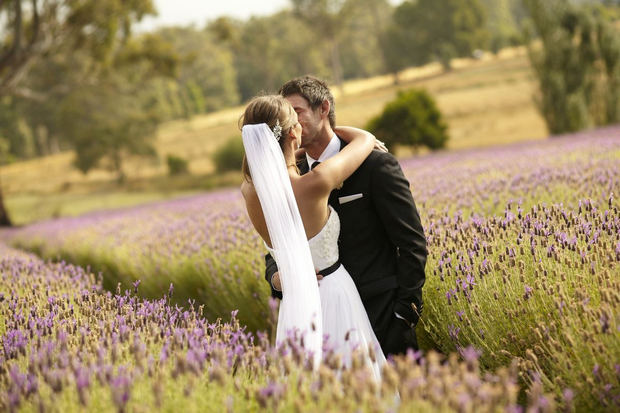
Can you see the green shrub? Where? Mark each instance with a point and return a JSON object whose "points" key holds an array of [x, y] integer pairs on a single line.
{"points": [[411, 119], [176, 165], [229, 156]]}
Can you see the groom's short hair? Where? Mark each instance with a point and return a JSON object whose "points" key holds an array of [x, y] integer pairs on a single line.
{"points": [[314, 90]]}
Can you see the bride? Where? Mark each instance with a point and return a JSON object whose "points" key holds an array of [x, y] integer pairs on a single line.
{"points": [[291, 214]]}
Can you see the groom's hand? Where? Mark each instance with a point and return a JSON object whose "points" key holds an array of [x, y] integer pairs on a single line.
{"points": [[407, 311], [275, 280], [319, 277]]}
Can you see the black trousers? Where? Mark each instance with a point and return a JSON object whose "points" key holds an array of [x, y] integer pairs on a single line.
{"points": [[398, 337]]}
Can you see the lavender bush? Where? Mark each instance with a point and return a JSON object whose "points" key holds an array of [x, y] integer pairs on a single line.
{"points": [[66, 345], [204, 245], [524, 246]]}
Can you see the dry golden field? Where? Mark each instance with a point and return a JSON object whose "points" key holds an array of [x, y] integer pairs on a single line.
{"points": [[485, 102]]}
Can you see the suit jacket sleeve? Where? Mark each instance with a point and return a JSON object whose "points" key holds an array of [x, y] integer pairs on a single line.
{"points": [[399, 215], [270, 268]]}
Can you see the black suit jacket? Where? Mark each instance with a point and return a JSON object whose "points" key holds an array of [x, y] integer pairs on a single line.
{"points": [[381, 243]]}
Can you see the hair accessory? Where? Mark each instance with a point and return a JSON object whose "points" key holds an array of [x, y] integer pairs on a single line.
{"points": [[277, 130]]}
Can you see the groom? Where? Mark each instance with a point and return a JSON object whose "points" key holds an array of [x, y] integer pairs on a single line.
{"points": [[382, 242]]}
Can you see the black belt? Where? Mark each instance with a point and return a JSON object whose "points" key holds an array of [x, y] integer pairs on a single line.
{"points": [[332, 268]]}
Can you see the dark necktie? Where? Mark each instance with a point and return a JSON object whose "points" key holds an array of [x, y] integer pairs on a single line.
{"points": [[314, 165]]}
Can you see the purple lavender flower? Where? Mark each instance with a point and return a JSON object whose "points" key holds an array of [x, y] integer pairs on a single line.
{"points": [[453, 332]]}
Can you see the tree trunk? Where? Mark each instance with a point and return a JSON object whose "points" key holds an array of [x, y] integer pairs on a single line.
{"points": [[5, 221], [54, 145], [40, 140], [118, 166], [396, 76]]}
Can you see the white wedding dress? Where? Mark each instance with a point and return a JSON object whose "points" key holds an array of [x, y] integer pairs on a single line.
{"points": [[345, 322]]}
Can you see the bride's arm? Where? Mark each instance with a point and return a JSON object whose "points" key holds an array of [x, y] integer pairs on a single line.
{"points": [[332, 172], [346, 133]]}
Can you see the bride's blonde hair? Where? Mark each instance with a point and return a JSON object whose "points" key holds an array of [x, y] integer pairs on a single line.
{"points": [[268, 109]]}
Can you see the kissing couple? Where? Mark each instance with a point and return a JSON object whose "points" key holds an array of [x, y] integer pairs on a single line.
{"points": [[332, 205]]}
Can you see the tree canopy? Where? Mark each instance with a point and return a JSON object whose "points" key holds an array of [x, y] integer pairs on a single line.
{"points": [[578, 65], [435, 29]]}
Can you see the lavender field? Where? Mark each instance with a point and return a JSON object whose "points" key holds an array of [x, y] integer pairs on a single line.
{"points": [[523, 271], [69, 346]]}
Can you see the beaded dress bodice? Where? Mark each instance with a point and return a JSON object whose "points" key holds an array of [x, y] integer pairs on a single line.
{"points": [[324, 245]]}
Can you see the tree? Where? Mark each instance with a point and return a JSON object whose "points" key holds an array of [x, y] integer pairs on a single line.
{"points": [[5, 221], [116, 115], [30, 30], [502, 23], [609, 47], [37, 28], [18, 145], [229, 156], [326, 18], [363, 36], [206, 78], [107, 122], [440, 29], [577, 65], [404, 42], [411, 119], [51, 77], [274, 49]]}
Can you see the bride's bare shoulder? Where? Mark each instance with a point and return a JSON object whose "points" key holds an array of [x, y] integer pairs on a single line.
{"points": [[247, 189], [249, 193]]}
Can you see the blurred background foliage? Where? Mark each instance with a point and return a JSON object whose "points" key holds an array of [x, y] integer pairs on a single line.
{"points": [[577, 65], [75, 77]]}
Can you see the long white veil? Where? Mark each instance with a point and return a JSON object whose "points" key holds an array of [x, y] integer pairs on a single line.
{"points": [[300, 309]]}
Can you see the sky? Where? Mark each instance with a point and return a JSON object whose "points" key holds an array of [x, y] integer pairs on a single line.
{"points": [[199, 12]]}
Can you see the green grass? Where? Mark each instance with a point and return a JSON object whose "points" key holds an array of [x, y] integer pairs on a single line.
{"points": [[28, 207]]}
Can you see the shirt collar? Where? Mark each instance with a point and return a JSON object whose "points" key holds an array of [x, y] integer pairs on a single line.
{"points": [[332, 148]]}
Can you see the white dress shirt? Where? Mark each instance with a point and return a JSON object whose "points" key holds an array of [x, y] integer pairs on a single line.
{"points": [[332, 148]]}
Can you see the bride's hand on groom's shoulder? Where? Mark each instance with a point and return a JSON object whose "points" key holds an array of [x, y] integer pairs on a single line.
{"points": [[380, 146], [275, 281]]}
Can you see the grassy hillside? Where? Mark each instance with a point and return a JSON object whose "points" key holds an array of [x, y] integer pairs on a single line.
{"points": [[485, 102]]}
